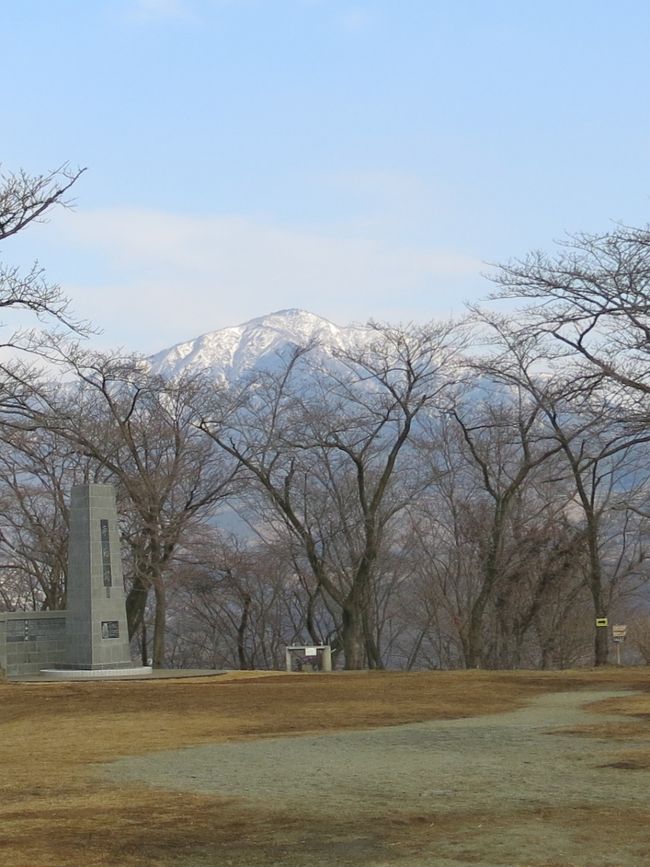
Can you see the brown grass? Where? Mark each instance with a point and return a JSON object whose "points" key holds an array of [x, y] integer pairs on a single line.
{"points": [[636, 731], [54, 812]]}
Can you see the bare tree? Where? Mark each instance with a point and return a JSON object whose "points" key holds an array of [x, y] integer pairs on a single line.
{"points": [[606, 462], [593, 299], [34, 478], [505, 443], [140, 432], [25, 199], [232, 604], [329, 450], [639, 635]]}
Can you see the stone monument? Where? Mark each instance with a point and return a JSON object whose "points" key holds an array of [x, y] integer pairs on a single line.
{"points": [[90, 637], [97, 636]]}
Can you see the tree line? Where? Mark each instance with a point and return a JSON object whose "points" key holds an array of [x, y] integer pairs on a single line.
{"points": [[459, 494]]}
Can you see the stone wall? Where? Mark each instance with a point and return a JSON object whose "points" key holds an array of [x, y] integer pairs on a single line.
{"points": [[31, 640]]}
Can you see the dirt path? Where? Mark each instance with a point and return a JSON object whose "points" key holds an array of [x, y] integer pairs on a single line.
{"points": [[488, 770]]}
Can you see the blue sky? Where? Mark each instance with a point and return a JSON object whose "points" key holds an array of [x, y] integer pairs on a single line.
{"points": [[356, 159]]}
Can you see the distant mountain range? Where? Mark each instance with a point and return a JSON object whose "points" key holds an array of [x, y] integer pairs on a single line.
{"points": [[260, 343], [264, 344]]}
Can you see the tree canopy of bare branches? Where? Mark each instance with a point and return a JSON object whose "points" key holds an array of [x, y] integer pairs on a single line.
{"points": [[604, 455], [25, 199], [141, 433], [593, 299], [328, 450]]}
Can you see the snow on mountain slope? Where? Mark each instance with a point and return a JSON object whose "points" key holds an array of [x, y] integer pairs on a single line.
{"points": [[232, 352]]}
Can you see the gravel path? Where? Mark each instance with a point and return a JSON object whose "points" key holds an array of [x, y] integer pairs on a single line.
{"points": [[507, 761]]}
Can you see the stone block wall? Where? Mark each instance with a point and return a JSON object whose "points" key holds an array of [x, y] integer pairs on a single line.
{"points": [[32, 640]]}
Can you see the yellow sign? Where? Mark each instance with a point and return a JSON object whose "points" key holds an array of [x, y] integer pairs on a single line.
{"points": [[601, 621]]}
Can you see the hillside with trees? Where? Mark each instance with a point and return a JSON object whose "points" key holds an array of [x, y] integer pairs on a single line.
{"points": [[461, 494]]}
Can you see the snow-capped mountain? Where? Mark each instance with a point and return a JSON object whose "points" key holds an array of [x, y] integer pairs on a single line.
{"points": [[230, 353]]}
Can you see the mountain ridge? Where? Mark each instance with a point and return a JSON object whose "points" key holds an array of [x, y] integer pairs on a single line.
{"points": [[232, 352]]}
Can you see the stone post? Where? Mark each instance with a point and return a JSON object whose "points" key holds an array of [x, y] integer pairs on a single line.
{"points": [[96, 630]]}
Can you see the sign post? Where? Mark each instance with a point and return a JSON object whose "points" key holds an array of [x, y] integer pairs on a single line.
{"points": [[618, 636]]}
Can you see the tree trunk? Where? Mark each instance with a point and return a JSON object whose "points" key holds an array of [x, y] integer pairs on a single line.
{"points": [[136, 603], [373, 654], [241, 633], [159, 625], [601, 646], [475, 648], [601, 642], [143, 643], [474, 644], [310, 615], [354, 639]]}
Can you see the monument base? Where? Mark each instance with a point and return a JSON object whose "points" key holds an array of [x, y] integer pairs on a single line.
{"points": [[114, 666], [94, 673]]}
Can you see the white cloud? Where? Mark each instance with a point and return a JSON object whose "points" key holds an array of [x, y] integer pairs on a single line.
{"points": [[170, 277]]}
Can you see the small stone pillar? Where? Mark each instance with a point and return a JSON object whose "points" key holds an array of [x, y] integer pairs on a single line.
{"points": [[326, 658]]}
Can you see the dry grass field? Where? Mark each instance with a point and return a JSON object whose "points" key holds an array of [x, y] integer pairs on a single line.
{"points": [[57, 810]]}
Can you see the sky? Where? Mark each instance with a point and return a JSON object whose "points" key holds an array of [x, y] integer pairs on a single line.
{"points": [[359, 160]]}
